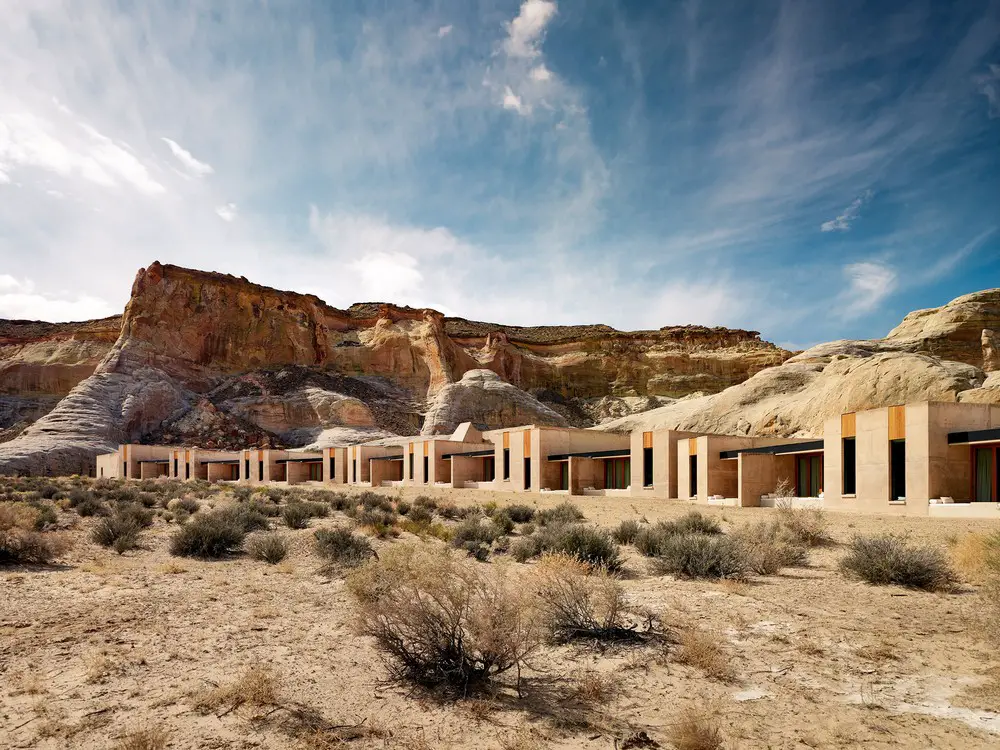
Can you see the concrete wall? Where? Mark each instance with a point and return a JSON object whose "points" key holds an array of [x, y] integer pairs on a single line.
{"points": [[109, 465], [584, 473], [339, 456], [665, 451], [297, 472], [718, 476], [467, 469]]}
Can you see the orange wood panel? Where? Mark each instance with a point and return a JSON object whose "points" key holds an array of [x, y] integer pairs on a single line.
{"points": [[411, 447], [527, 443], [897, 422], [692, 446], [848, 425], [427, 447], [506, 440], [647, 440]]}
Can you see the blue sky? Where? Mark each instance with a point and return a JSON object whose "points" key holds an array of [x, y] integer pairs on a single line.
{"points": [[812, 170]]}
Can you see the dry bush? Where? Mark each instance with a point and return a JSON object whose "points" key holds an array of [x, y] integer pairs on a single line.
{"points": [[576, 603], [21, 543], [187, 504], [475, 536], [210, 535], [442, 621], [626, 531], [807, 526], [420, 515], [342, 548], [588, 544], [151, 738], [119, 531], [693, 731], [888, 559], [257, 686], [520, 513], [702, 556], [650, 539], [977, 556], [565, 512], [769, 548], [703, 651], [595, 688], [271, 547]]}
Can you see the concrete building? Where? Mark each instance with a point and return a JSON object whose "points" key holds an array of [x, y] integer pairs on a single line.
{"points": [[560, 459], [654, 461], [372, 465], [135, 462], [455, 460], [335, 465], [266, 465]]}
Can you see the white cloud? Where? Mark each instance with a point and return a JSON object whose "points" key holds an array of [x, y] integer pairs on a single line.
{"points": [[228, 212], [71, 149], [525, 32], [444, 31], [989, 86], [540, 73], [843, 222], [184, 156], [20, 301], [869, 282], [513, 101]]}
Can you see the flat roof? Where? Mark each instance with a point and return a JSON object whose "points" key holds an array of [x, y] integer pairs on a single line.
{"points": [[386, 458], [974, 436], [154, 461], [471, 454], [313, 460], [222, 461], [617, 453], [809, 446]]}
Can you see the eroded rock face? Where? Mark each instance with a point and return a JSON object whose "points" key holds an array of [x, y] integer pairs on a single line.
{"points": [[483, 398], [190, 338]]}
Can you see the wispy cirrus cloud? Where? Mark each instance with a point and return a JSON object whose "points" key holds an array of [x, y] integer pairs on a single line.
{"points": [[989, 86], [843, 221], [869, 283], [194, 166]]}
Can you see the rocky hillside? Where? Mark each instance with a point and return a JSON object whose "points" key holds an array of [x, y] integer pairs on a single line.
{"points": [[948, 353], [219, 361]]}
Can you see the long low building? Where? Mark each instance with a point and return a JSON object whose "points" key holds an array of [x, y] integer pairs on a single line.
{"points": [[929, 458]]}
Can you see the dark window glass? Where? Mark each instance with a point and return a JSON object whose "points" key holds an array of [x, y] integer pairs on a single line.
{"points": [[564, 475], [427, 473], [984, 474], [647, 467], [333, 468], [527, 473], [506, 463], [125, 470], [897, 470], [693, 477], [411, 467], [850, 458]]}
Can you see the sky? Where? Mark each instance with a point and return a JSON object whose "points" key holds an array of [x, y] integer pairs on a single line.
{"points": [[811, 170]]}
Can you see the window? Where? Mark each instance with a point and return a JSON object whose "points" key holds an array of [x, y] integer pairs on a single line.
{"points": [[693, 477], [506, 464], [850, 458], [527, 473], [246, 469], [489, 469], [175, 467], [333, 468], [102, 472], [564, 475], [354, 471], [985, 475], [411, 467], [260, 471], [125, 470], [897, 469], [647, 467], [427, 473], [617, 473], [809, 476], [316, 472]]}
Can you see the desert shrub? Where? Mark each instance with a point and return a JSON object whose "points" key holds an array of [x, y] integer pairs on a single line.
{"points": [[704, 651], [649, 539], [563, 513], [403, 507], [694, 522], [242, 493], [475, 537], [77, 496], [248, 516], [48, 491], [695, 732], [525, 548], [888, 559], [271, 547], [451, 511], [296, 515], [588, 544], [212, 535], [701, 556], [341, 547], [147, 499], [769, 547], [258, 686], [20, 542], [380, 522], [91, 506], [805, 525], [576, 603], [119, 531], [148, 738], [503, 522], [187, 504], [626, 531], [425, 501], [977, 556], [47, 515], [520, 513], [420, 514], [138, 514], [372, 500], [442, 622]]}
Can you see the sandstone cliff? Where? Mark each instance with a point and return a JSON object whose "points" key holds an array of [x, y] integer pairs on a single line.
{"points": [[942, 354], [214, 359]]}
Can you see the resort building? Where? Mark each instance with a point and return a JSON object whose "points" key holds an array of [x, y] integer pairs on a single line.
{"points": [[654, 461], [335, 465], [464, 458], [135, 462], [262, 466], [372, 465]]}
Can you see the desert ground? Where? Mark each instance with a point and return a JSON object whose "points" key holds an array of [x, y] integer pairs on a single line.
{"points": [[101, 650]]}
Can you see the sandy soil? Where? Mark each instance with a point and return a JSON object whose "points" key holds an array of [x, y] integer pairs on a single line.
{"points": [[102, 645]]}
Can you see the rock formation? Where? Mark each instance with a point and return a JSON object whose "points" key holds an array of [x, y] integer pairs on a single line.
{"points": [[942, 354], [209, 358]]}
